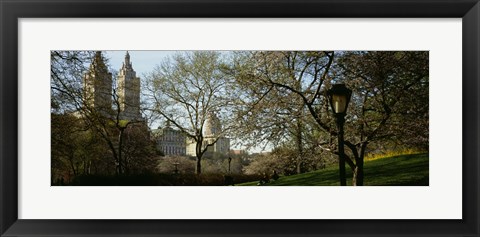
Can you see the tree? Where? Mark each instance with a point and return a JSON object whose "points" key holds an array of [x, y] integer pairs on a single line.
{"points": [[389, 102], [279, 89], [75, 150], [388, 87], [64, 147], [186, 90], [139, 152], [66, 71], [82, 85]]}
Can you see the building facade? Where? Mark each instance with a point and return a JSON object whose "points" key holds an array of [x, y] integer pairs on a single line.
{"points": [[98, 89], [212, 132], [170, 141], [128, 91], [97, 84]]}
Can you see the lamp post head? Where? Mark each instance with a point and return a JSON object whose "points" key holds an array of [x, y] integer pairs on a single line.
{"points": [[339, 97]]}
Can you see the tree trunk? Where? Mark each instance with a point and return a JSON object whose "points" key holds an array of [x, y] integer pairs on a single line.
{"points": [[355, 176], [358, 173], [299, 135], [198, 168], [360, 164], [120, 143], [299, 146], [357, 179], [72, 165], [198, 150]]}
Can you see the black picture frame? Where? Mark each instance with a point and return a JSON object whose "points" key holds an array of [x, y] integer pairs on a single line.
{"points": [[11, 11]]}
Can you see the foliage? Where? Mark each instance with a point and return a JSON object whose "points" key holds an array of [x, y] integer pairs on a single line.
{"points": [[138, 150], [262, 98], [284, 161], [390, 99], [389, 105], [66, 70], [188, 89], [276, 90], [75, 150], [101, 147]]}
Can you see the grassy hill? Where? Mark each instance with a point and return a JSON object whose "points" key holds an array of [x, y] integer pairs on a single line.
{"points": [[402, 170]]}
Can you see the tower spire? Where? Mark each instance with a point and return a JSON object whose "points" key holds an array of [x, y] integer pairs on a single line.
{"points": [[128, 64], [98, 85], [128, 90], [98, 64]]}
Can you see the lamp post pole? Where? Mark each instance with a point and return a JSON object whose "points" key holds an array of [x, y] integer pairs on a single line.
{"points": [[341, 151], [339, 97]]}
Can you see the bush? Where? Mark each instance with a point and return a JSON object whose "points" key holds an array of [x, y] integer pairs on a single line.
{"points": [[185, 165], [160, 180]]}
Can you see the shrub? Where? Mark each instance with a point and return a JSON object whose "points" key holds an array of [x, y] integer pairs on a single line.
{"points": [[160, 180], [184, 165], [284, 161]]}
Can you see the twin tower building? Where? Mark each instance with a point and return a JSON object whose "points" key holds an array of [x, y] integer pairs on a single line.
{"points": [[123, 99], [100, 94]]}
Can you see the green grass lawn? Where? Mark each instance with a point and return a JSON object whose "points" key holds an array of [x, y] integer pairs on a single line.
{"points": [[403, 170]]}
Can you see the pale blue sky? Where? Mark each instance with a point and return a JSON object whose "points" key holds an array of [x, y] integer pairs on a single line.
{"points": [[143, 62]]}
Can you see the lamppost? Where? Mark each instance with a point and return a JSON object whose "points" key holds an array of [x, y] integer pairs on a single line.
{"points": [[339, 96]]}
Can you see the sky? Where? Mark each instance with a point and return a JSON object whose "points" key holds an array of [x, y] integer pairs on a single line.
{"points": [[143, 62]]}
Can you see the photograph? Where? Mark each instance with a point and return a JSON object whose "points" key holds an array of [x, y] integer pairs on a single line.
{"points": [[239, 118]]}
